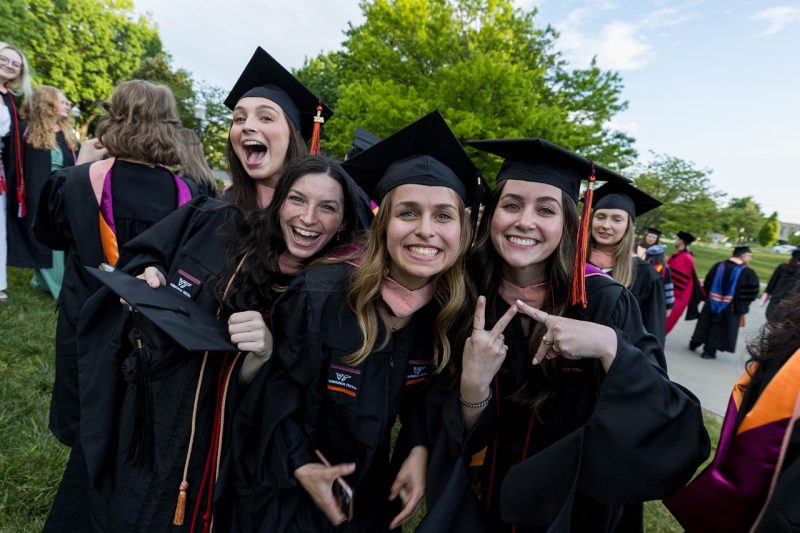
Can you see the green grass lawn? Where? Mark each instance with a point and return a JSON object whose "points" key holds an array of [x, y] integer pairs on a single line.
{"points": [[31, 460], [764, 261]]}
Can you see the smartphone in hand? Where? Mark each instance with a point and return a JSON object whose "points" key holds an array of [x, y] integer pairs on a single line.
{"points": [[341, 491]]}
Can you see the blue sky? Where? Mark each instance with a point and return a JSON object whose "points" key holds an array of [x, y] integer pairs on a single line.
{"points": [[711, 81]]}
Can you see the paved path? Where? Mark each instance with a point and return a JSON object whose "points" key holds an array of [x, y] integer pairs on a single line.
{"points": [[710, 380]]}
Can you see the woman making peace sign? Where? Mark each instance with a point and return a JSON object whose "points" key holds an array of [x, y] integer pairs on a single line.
{"points": [[558, 414]]}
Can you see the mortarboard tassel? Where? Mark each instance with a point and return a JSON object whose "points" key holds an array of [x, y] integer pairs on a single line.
{"points": [[319, 120], [578, 287], [180, 509]]}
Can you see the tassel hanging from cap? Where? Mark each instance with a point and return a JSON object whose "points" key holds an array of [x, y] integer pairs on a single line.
{"points": [[319, 120], [180, 509], [136, 372], [578, 287]]}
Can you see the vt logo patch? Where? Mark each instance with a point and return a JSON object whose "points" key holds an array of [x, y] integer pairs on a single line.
{"points": [[344, 379], [418, 371]]}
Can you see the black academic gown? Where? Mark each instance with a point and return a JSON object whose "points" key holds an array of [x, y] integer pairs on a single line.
{"points": [[12, 161], [781, 281], [189, 247], [25, 251], [648, 289], [307, 397], [720, 331], [67, 219], [599, 446]]}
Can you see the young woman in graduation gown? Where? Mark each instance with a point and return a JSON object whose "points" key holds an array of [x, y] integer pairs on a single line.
{"points": [[355, 342], [611, 250], [15, 88], [50, 144], [231, 263], [753, 482], [90, 211], [556, 416]]}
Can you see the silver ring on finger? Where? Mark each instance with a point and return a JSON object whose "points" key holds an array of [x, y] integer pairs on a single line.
{"points": [[547, 342]]}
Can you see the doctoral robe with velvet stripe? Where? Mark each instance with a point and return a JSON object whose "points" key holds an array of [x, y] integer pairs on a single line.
{"points": [[759, 445]]}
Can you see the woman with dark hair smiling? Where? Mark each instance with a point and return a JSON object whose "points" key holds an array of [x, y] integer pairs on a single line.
{"points": [[356, 341], [555, 415], [274, 115], [151, 466]]}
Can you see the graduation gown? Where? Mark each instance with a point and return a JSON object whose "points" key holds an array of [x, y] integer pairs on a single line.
{"points": [[599, 446], [25, 251], [759, 447], [189, 247], [781, 281], [720, 331], [307, 397], [687, 288], [67, 219]]}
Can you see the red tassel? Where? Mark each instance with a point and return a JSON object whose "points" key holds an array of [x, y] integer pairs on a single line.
{"points": [[319, 120], [578, 288], [180, 509]]}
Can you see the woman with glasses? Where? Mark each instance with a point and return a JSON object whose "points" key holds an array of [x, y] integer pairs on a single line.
{"points": [[15, 87]]}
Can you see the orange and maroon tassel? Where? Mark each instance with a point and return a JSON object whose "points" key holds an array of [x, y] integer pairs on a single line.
{"points": [[578, 288], [180, 509], [319, 120]]}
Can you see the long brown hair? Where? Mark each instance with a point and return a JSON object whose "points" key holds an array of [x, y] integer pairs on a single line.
{"points": [[243, 187], [44, 120], [364, 289], [260, 240], [485, 266], [193, 160], [141, 123]]}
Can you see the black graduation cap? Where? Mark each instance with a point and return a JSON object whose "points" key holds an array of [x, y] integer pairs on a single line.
{"points": [[741, 250], [364, 139], [543, 162], [188, 324], [539, 161], [624, 196], [425, 152], [686, 237], [654, 231], [263, 77]]}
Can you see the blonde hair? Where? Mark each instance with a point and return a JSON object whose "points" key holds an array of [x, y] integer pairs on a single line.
{"points": [[623, 272], [44, 120], [21, 85], [364, 289], [141, 123]]}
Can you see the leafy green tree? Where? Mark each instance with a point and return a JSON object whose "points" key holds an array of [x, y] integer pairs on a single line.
{"points": [[768, 234], [741, 219], [214, 130], [83, 47], [484, 64], [158, 69], [689, 203]]}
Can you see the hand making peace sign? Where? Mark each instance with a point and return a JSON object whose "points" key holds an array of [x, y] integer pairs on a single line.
{"points": [[484, 353]]}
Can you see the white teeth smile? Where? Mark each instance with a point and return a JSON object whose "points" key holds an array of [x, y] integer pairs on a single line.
{"points": [[306, 233], [420, 250], [521, 242], [252, 143]]}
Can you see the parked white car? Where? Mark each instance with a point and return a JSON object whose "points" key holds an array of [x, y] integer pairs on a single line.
{"points": [[784, 248]]}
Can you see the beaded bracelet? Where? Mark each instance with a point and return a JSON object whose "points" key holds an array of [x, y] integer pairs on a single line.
{"points": [[479, 405]]}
